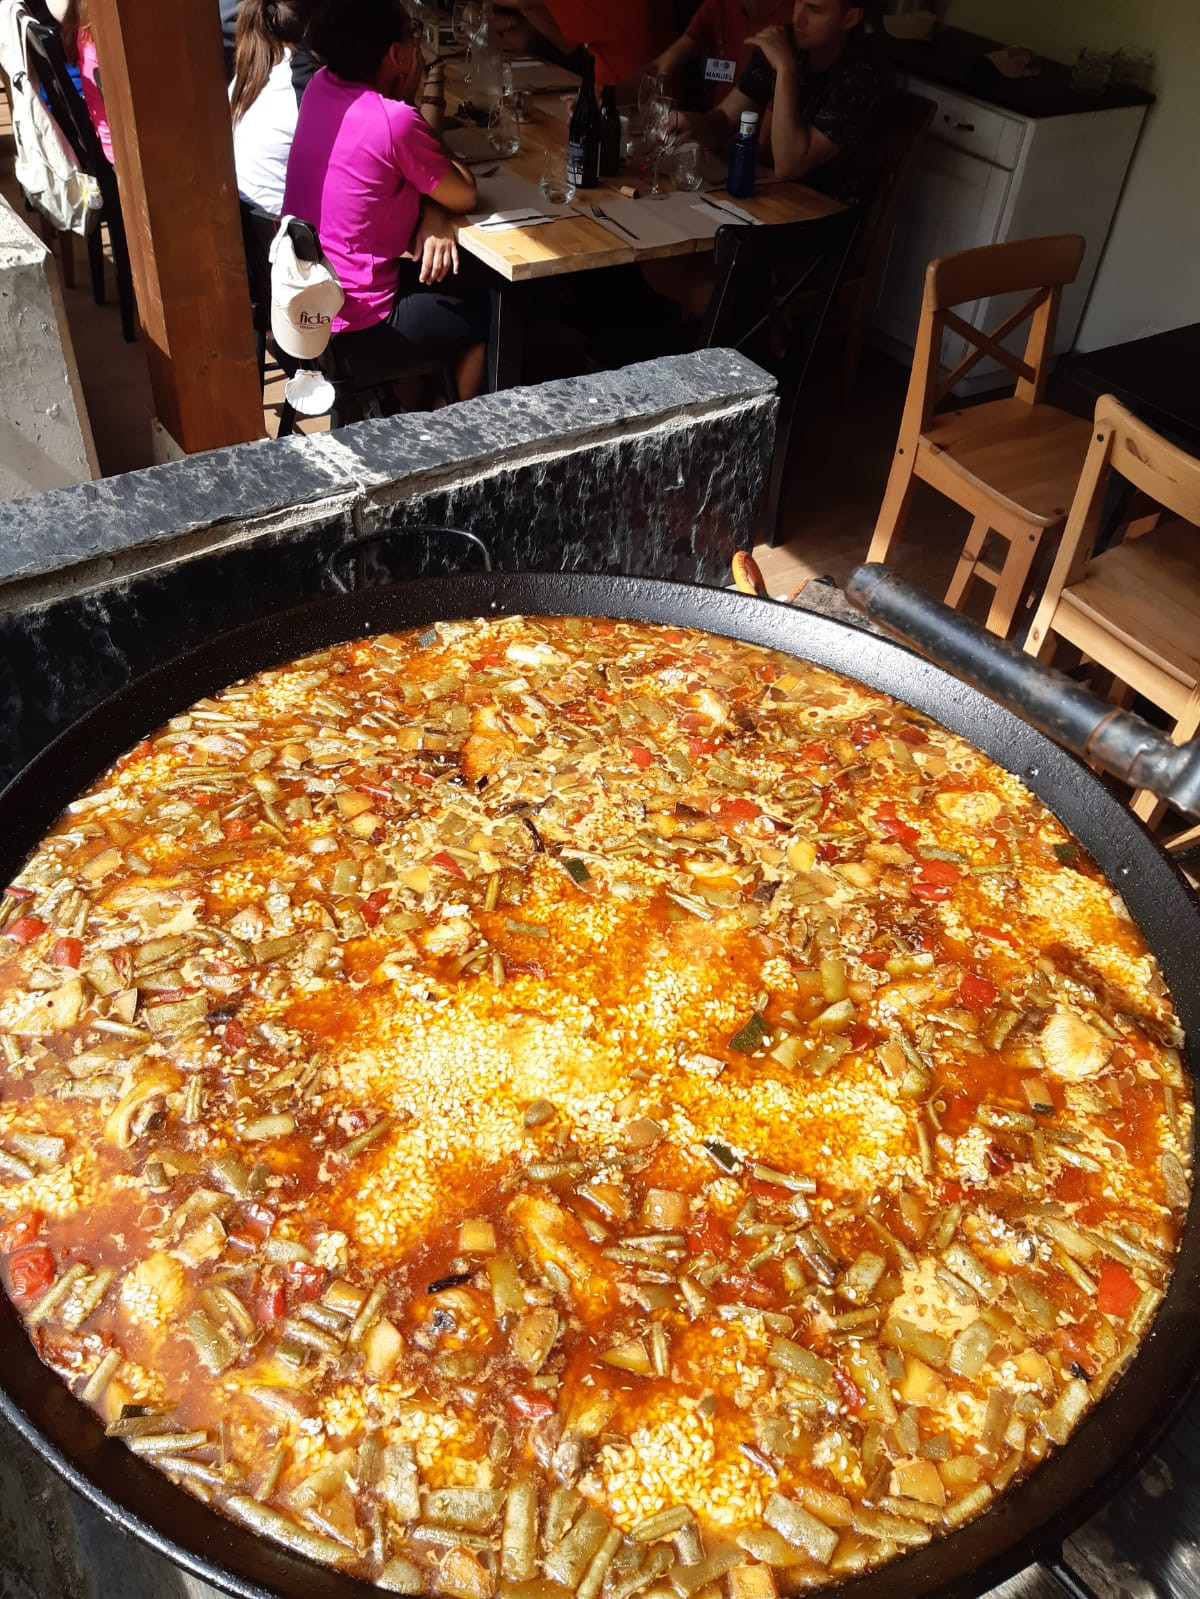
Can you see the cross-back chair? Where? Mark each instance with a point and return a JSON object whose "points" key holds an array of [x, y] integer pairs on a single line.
{"points": [[773, 292], [1013, 462], [1133, 608]]}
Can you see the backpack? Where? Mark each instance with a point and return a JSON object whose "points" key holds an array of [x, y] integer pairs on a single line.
{"points": [[46, 168]]}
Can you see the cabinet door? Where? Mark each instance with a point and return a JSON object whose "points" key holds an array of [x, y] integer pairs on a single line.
{"points": [[955, 202]]}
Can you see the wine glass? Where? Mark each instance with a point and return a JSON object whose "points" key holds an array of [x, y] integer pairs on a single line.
{"points": [[650, 88], [466, 21], [660, 133], [504, 132]]}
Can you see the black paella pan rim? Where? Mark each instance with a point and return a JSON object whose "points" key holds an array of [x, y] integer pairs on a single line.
{"points": [[1028, 1520]]}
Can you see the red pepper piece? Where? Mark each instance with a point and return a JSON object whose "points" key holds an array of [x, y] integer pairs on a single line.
{"points": [[734, 808], [894, 826], [702, 746], [446, 863], [270, 1303], [67, 952], [238, 827], [374, 906], [532, 1407], [305, 1280], [30, 1272], [20, 1232], [640, 756], [852, 1395], [708, 1235], [977, 993], [1117, 1292], [25, 929]]}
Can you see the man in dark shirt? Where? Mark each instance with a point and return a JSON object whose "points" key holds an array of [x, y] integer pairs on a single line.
{"points": [[817, 89]]}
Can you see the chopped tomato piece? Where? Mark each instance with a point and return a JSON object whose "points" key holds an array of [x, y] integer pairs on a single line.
{"points": [[238, 827], [953, 1193], [445, 862], [747, 1288], [998, 1161], [894, 826], [480, 661], [874, 958], [708, 1235], [702, 746], [25, 929], [815, 752], [734, 808], [852, 1395], [67, 952], [1118, 1293], [20, 1232], [640, 756], [233, 1036], [305, 1279], [533, 1407], [827, 850], [913, 735], [420, 779], [136, 753], [977, 993], [30, 1272], [860, 1035], [374, 905]]}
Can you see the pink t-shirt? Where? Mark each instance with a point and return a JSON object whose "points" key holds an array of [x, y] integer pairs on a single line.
{"points": [[89, 74], [358, 168]]}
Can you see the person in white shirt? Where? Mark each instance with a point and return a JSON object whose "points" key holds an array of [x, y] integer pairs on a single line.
{"points": [[271, 69]]}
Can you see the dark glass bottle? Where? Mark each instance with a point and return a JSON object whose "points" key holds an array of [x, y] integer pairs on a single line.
{"points": [[610, 133], [742, 158], [583, 132]]}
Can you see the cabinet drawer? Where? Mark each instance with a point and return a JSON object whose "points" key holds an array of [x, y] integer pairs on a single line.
{"points": [[971, 126]]}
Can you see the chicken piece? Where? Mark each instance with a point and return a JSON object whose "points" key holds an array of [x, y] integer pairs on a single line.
{"points": [[552, 1233], [968, 807], [152, 1293], [1071, 1049]]}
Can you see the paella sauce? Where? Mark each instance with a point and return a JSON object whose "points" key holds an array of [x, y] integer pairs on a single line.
{"points": [[550, 1107]]}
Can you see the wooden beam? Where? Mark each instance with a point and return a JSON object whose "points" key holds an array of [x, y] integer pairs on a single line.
{"points": [[164, 88]]}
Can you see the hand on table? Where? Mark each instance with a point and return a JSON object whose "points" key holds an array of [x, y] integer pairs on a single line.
{"points": [[776, 44], [434, 244]]}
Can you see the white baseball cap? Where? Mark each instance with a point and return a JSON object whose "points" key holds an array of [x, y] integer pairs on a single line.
{"points": [[305, 292]]}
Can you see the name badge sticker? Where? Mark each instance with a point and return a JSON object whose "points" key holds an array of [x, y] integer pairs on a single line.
{"points": [[718, 71]]}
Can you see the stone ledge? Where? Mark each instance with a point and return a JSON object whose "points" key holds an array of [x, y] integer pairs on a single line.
{"points": [[396, 458]]}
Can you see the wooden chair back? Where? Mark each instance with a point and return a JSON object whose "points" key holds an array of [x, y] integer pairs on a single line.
{"points": [[1164, 473], [903, 119], [1037, 268], [774, 290]]}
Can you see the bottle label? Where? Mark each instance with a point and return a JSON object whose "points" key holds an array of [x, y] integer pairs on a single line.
{"points": [[576, 164], [718, 71]]}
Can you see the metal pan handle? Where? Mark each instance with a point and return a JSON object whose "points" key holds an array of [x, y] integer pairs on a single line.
{"points": [[346, 579], [1116, 741]]}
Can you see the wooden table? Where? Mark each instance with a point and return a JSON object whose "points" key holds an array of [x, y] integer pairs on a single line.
{"points": [[581, 243]]}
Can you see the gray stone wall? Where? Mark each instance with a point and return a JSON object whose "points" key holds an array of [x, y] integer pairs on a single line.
{"points": [[656, 470]]}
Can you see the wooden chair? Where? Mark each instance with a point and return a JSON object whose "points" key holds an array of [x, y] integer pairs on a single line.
{"points": [[1013, 463], [1133, 609], [903, 120], [773, 291]]}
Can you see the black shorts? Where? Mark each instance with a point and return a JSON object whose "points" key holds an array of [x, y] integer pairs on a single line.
{"points": [[428, 321]]}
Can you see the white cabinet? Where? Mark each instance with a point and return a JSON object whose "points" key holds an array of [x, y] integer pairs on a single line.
{"points": [[985, 175]]}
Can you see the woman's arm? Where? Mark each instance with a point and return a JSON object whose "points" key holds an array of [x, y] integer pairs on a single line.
{"points": [[432, 104]]}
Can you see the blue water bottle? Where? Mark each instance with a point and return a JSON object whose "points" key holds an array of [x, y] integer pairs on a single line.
{"points": [[742, 158]]}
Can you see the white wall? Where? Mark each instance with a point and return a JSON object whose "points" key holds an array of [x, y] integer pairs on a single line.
{"points": [[45, 438], [1149, 277]]}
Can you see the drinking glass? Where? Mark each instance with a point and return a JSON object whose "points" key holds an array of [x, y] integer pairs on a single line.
{"points": [[687, 167], [504, 131], [467, 16], [650, 88], [660, 135], [555, 185]]}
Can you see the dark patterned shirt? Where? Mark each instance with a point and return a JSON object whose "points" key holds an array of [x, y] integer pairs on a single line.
{"points": [[842, 103]]}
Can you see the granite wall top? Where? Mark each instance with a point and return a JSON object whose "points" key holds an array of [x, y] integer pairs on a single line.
{"points": [[137, 510]]}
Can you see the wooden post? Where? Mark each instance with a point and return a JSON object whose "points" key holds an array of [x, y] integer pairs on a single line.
{"points": [[164, 89]]}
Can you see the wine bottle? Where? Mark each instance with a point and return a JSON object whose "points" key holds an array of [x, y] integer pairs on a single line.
{"points": [[583, 132], [610, 133]]}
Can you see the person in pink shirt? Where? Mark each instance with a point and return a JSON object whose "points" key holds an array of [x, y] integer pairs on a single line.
{"points": [[369, 172], [79, 47]]}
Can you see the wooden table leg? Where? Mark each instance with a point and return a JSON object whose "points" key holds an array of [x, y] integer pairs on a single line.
{"points": [[506, 337]]}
